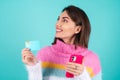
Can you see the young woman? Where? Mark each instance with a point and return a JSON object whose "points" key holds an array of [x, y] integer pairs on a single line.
{"points": [[72, 36]]}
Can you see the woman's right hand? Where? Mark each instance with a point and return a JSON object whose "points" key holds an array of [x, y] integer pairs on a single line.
{"points": [[28, 58]]}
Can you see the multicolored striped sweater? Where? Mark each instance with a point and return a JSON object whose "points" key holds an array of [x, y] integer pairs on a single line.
{"points": [[53, 59]]}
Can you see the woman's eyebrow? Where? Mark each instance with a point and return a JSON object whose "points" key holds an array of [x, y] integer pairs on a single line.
{"points": [[63, 17], [66, 17]]}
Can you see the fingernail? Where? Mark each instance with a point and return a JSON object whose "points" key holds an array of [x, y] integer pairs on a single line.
{"points": [[29, 49]]}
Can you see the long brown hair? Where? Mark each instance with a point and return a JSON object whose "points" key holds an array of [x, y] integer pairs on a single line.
{"points": [[81, 19]]}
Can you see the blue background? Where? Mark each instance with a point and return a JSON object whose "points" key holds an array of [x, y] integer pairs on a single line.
{"points": [[22, 20]]}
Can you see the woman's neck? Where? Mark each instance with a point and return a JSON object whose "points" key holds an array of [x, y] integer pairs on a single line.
{"points": [[69, 41]]}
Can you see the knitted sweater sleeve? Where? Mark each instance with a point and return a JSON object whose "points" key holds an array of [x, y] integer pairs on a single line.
{"points": [[93, 66], [91, 71], [34, 72], [84, 76]]}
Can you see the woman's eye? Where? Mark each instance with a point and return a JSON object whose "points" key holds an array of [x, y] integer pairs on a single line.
{"points": [[57, 19], [64, 20]]}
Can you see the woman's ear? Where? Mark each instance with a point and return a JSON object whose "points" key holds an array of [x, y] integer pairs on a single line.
{"points": [[77, 29]]}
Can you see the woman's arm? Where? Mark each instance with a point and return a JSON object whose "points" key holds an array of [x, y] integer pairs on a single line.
{"points": [[34, 72]]}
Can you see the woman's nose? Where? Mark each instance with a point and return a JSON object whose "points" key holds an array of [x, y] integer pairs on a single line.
{"points": [[58, 24]]}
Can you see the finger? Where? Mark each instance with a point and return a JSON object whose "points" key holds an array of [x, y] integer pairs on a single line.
{"points": [[70, 65], [28, 59], [74, 71], [25, 49], [71, 70], [26, 55], [73, 63], [28, 62], [75, 68], [27, 52]]}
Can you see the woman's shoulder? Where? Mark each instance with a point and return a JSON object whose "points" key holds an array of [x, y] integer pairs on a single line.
{"points": [[91, 54], [43, 52], [44, 49], [92, 57], [92, 61], [88, 53]]}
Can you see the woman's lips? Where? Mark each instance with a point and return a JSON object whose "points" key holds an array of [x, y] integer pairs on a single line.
{"points": [[58, 30]]}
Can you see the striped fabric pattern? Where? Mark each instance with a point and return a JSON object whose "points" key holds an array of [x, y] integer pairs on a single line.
{"points": [[55, 57]]}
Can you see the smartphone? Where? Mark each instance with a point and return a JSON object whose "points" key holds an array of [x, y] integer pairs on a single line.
{"points": [[76, 59]]}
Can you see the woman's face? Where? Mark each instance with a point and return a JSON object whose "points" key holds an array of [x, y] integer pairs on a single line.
{"points": [[66, 28]]}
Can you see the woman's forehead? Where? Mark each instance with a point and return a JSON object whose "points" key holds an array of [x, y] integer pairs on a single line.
{"points": [[64, 15]]}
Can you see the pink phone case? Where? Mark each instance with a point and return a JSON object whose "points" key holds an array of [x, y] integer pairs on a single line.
{"points": [[76, 59]]}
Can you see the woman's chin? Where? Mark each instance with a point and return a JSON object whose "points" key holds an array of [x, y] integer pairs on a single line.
{"points": [[57, 36]]}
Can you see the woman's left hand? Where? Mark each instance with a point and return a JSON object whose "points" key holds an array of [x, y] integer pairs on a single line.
{"points": [[74, 68]]}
